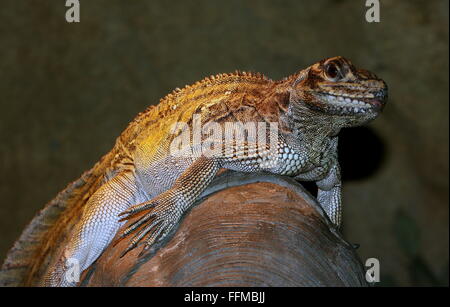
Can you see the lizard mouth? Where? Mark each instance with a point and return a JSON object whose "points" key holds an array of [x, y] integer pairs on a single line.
{"points": [[372, 103]]}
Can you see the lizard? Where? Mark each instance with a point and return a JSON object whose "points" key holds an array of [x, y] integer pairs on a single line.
{"points": [[145, 177]]}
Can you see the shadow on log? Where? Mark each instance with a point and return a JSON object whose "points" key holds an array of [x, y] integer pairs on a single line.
{"points": [[252, 230]]}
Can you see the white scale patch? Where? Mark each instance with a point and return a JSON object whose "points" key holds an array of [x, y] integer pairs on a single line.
{"points": [[350, 104], [291, 162]]}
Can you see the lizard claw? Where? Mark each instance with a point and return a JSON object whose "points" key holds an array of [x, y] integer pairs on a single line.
{"points": [[159, 232], [138, 208], [157, 223]]}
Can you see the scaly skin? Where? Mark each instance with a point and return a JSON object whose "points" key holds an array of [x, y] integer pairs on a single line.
{"points": [[142, 173]]}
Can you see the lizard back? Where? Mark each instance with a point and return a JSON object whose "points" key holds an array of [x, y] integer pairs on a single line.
{"points": [[216, 98]]}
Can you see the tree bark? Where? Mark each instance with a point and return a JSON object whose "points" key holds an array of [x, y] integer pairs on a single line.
{"points": [[247, 230]]}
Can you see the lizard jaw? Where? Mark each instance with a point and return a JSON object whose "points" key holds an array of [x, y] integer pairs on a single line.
{"points": [[356, 105], [348, 105]]}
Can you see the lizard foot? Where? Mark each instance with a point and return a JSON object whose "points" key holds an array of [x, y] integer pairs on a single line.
{"points": [[162, 217]]}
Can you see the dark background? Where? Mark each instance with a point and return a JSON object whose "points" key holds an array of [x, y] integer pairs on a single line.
{"points": [[68, 90]]}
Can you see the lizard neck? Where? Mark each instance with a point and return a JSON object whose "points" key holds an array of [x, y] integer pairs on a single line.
{"points": [[301, 126]]}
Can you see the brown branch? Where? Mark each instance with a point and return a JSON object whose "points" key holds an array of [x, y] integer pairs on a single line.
{"points": [[255, 230]]}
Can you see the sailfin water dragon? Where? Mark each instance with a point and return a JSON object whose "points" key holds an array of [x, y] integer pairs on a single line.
{"points": [[161, 163]]}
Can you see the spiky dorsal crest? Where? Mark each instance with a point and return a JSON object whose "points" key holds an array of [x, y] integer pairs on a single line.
{"points": [[254, 76]]}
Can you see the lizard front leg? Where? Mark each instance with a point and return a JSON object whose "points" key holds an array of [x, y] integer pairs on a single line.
{"points": [[329, 194], [166, 210], [95, 230], [328, 189], [328, 180]]}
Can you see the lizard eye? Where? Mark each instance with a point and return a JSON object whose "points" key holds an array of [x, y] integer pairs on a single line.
{"points": [[332, 71]]}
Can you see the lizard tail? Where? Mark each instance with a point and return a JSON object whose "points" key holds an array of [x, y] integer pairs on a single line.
{"points": [[30, 256]]}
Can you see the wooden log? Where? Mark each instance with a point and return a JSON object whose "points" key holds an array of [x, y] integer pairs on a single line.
{"points": [[247, 230]]}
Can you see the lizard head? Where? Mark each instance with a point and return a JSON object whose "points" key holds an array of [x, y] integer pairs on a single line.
{"points": [[334, 87]]}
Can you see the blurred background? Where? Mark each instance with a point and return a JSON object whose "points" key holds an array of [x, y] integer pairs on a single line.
{"points": [[67, 91]]}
